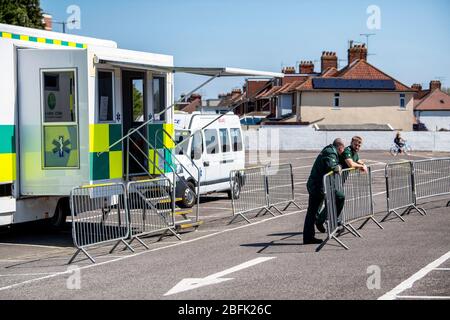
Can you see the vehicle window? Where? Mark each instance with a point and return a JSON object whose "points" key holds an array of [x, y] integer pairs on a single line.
{"points": [[197, 146], [182, 141], [212, 141], [225, 140], [105, 96], [59, 97], [236, 139]]}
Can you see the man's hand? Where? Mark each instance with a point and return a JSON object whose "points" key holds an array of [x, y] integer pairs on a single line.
{"points": [[338, 169], [364, 169]]}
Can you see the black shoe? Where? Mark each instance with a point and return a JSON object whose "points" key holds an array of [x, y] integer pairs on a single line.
{"points": [[321, 227], [312, 241]]}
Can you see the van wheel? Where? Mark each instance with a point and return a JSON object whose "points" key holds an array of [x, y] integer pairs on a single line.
{"points": [[188, 196], [58, 221], [235, 192]]}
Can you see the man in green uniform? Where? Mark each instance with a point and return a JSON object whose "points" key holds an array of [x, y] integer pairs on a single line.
{"points": [[328, 160], [349, 159]]}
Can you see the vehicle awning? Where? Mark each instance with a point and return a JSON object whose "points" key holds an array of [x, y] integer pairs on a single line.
{"points": [[211, 72]]}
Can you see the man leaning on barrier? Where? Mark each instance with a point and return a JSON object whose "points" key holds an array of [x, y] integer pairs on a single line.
{"points": [[349, 159], [328, 160]]}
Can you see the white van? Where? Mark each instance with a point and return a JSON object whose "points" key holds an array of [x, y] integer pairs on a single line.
{"points": [[210, 154]]}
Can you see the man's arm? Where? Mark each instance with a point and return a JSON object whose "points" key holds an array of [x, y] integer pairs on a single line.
{"points": [[356, 165]]}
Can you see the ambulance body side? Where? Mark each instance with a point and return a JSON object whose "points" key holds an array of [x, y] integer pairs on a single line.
{"points": [[47, 149]]}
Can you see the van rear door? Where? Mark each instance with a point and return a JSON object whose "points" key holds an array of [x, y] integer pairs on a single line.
{"points": [[53, 120]]}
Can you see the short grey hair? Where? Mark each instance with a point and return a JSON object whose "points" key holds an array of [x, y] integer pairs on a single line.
{"points": [[338, 143]]}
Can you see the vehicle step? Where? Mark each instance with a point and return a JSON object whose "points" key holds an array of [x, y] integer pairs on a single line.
{"points": [[184, 226]]}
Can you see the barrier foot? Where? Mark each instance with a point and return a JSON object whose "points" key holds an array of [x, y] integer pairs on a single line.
{"points": [[395, 212], [273, 214], [322, 244], [422, 211], [288, 205], [377, 223], [175, 234], [85, 253], [127, 246], [260, 211], [295, 204], [141, 242], [162, 236], [352, 230], [448, 204], [340, 242], [276, 209]]}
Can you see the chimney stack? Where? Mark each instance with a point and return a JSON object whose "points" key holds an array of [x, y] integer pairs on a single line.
{"points": [[357, 52], [435, 84], [417, 87], [47, 21], [236, 92], [288, 70], [329, 60], [194, 97], [306, 67]]}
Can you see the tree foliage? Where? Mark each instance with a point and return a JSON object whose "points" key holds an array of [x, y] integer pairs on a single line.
{"points": [[24, 13]]}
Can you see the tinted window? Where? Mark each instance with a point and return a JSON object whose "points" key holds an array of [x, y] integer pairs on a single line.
{"points": [[159, 96], [224, 140], [236, 139], [212, 141], [105, 96], [182, 141]]}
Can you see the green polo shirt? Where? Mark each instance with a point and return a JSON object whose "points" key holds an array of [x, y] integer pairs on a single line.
{"points": [[348, 153]]}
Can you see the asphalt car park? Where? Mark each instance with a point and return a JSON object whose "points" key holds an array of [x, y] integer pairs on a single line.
{"points": [[262, 260]]}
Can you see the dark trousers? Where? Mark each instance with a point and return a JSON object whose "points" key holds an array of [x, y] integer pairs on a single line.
{"points": [[315, 202]]}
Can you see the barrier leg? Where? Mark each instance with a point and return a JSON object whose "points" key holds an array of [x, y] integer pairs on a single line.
{"points": [[328, 239], [85, 253], [288, 205], [276, 209], [396, 213], [352, 230], [371, 219], [141, 242], [448, 204]]}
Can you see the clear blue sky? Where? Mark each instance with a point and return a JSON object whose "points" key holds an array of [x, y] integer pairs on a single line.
{"points": [[412, 45]]}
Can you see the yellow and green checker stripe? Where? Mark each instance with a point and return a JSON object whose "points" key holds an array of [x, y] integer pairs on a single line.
{"points": [[23, 37], [7, 154], [109, 165], [163, 144]]}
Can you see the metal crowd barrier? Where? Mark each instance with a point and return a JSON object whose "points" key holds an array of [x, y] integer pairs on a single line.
{"points": [[253, 192], [280, 182], [431, 178], [151, 205], [99, 216], [359, 206], [332, 183], [400, 189]]}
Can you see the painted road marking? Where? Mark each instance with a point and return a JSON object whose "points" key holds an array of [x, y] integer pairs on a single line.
{"points": [[424, 297], [29, 245], [148, 251], [408, 283], [195, 283]]}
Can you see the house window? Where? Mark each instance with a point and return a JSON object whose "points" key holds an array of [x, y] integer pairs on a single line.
{"points": [[402, 101], [337, 100]]}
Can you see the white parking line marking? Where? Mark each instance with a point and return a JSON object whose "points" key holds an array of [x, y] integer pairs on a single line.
{"points": [[442, 269], [408, 283], [26, 274], [148, 251], [424, 297], [28, 245]]}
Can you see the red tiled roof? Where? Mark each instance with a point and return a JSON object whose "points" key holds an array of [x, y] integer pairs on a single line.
{"points": [[437, 100], [192, 107], [359, 69], [269, 93]]}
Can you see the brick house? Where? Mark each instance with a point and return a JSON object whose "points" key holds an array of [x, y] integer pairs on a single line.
{"points": [[432, 107]]}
